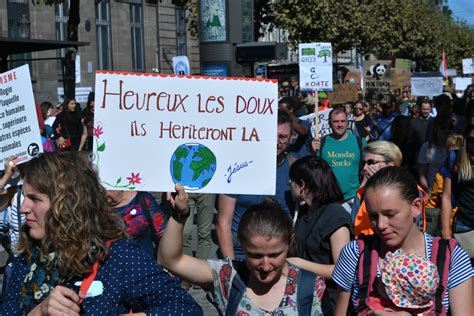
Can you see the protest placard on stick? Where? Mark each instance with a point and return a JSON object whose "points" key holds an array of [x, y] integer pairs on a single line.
{"points": [[19, 129], [213, 135], [377, 80], [468, 66], [315, 63]]}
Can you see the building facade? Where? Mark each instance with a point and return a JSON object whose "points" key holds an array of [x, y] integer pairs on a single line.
{"points": [[123, 35]]}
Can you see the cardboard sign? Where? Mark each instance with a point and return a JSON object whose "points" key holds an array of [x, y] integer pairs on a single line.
{"points": [[400, 79], [404, 64], [353, 77], [19, 130], [468, 66], [377, 80], [343, 93], [212, 135], [426, 86], [323, 123], [315, 61]]}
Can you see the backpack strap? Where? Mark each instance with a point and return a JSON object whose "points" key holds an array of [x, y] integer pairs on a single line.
{"points": [[305, 292], [237, 289], [323, 141], [367, 269], [87, 282], [151, 226], [441, 250]]}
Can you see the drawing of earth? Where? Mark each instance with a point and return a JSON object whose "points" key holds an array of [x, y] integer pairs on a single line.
{"points": [[192, 165]]}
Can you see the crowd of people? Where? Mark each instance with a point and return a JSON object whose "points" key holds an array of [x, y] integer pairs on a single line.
{"points": [[362, 221]]}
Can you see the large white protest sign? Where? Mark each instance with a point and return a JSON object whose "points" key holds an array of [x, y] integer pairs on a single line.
{"points": [[315, 62], [468, 66], [426, 86], [213, 135], [19, 130], [461, 83], [323, 123]]}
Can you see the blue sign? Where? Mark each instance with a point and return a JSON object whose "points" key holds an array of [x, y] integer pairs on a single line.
{"points": [[215, 71]]}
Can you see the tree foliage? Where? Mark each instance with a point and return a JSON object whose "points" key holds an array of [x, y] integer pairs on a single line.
{"points": [[416, 30]]}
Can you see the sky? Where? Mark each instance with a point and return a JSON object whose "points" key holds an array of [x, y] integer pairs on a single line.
{"points": [[463, 9]]}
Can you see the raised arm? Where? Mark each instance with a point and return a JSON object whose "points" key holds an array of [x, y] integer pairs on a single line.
{"points": [[170, 252], [446, 209], [226, 207], [83, 136]]}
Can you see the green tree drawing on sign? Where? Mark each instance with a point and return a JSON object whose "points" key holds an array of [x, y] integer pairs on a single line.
{"points": [[324, 53]]}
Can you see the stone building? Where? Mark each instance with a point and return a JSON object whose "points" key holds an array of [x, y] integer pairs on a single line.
{"points": [[123, 35]]}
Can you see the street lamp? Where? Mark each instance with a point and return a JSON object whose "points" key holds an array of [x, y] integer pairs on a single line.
{"points": [[23, 27]]}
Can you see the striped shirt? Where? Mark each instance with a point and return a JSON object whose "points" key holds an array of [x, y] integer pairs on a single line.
{"points": [[345, 271], [12, 212]]}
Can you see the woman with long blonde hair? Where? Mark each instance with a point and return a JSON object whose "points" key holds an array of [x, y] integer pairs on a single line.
{"points": [[459, 184]]}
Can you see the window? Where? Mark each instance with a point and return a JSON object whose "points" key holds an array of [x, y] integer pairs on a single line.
{"points": [[136, 25], [181, 49], [60, 21], [16, 9], [104, 40]]}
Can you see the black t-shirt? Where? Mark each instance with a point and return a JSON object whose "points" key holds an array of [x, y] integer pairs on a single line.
{"points": [[464, 193], [360, 126], [314, 228]]}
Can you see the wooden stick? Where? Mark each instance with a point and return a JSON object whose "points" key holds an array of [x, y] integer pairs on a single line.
{"points": [[316, 113]]}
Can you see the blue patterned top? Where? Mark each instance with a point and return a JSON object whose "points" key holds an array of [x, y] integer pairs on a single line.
{"points": [[131, 280]]}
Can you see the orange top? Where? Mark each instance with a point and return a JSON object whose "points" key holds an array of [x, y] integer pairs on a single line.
{"points": [[362, 224]]}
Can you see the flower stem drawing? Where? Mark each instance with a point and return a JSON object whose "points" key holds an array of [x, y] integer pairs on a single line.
{"points": [[132, 180]]}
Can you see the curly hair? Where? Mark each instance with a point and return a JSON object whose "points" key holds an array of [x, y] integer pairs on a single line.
{"points": [[79, 221]]}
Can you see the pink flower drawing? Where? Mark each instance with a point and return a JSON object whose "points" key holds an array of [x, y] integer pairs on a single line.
{"points": [[97, 131], [135, 178]]}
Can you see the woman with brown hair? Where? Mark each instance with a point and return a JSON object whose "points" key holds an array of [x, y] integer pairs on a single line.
{"points": [[73, 256]]}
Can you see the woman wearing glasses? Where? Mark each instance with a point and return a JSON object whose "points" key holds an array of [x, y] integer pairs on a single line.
{"points": [[377, 155]]}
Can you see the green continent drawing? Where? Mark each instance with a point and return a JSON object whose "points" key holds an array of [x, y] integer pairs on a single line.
{"points": [[192, 165]]}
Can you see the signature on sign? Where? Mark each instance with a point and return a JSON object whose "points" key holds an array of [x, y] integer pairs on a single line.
{"points": [[237, 166]]}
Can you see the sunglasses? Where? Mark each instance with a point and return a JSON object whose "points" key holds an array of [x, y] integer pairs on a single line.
{"points": [[371, 162], [357, 109]]}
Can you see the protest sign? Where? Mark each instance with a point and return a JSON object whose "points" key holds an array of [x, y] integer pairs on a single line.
{"points": [[19, 130], [343, 93], [426, 86], [323, 123], [315, 61], [468, 66], [400, 79], [461, 84], [404, 64], [212, 135], [377, 80], [181, 65], [353, 77]]}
